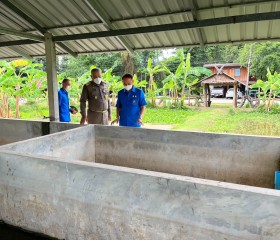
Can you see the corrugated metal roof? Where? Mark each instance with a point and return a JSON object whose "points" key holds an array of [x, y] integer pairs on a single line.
{"points": [[68, 17]]}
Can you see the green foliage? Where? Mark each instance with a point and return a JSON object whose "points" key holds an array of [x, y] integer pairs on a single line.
{"points": [[153, 90], [153, 93], [270, 88], [265, 55], [275, 109], [170, 76], [114, 82], [139, 84], [183, 76], [20, 78], [151, 70], [76, 67], [220, 118]]}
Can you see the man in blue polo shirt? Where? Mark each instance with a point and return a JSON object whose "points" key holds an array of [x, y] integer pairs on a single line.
{"points": [[130, 104], [63, 101]]}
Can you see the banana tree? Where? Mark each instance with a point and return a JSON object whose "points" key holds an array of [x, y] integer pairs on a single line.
{"points": [[11, 84], [83, 79], [186, 71], [115, 84], [138, 84], [152, 94], [6, 72], [20, 79], [33, 84], [270, 88], [171, 82], [273, 83], [151, 71], [191, 77]]}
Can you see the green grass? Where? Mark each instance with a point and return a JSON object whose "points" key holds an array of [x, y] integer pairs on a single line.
{"points": [[167, 116], [28, 110], [226, 120], [221, 118]]}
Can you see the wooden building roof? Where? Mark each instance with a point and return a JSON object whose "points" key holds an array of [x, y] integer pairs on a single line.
{"points": [[220, 80]]}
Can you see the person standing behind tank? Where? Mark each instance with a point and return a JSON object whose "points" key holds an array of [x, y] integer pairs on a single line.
{"points": [[96, 93], [130, 104], [63, 101]]}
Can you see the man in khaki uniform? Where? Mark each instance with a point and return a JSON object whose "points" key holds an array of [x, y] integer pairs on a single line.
{"points": [[97, 95]]}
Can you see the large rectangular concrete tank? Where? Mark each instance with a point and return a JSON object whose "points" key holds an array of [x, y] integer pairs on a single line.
{"points": [[67, 185]]}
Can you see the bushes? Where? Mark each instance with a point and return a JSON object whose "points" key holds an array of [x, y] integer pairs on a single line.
{"points": [[274, 109]]}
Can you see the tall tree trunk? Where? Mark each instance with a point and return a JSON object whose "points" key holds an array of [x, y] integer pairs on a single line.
{"points": [[128, 62]]}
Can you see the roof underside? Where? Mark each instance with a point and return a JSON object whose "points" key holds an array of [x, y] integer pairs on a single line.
{"points": [[71, 17]]}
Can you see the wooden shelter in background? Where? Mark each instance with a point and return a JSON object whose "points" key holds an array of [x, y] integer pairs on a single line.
{"points": [[219, 79], [235, 70]]}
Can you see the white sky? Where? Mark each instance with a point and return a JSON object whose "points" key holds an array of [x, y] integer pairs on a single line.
{"points": [[166, 53]]}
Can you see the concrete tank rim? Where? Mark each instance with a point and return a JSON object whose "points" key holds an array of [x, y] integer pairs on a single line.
{"points": [[167, 176], [139, 129], [42, 137], [182, 131], [22, 120], [34, 120]]}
